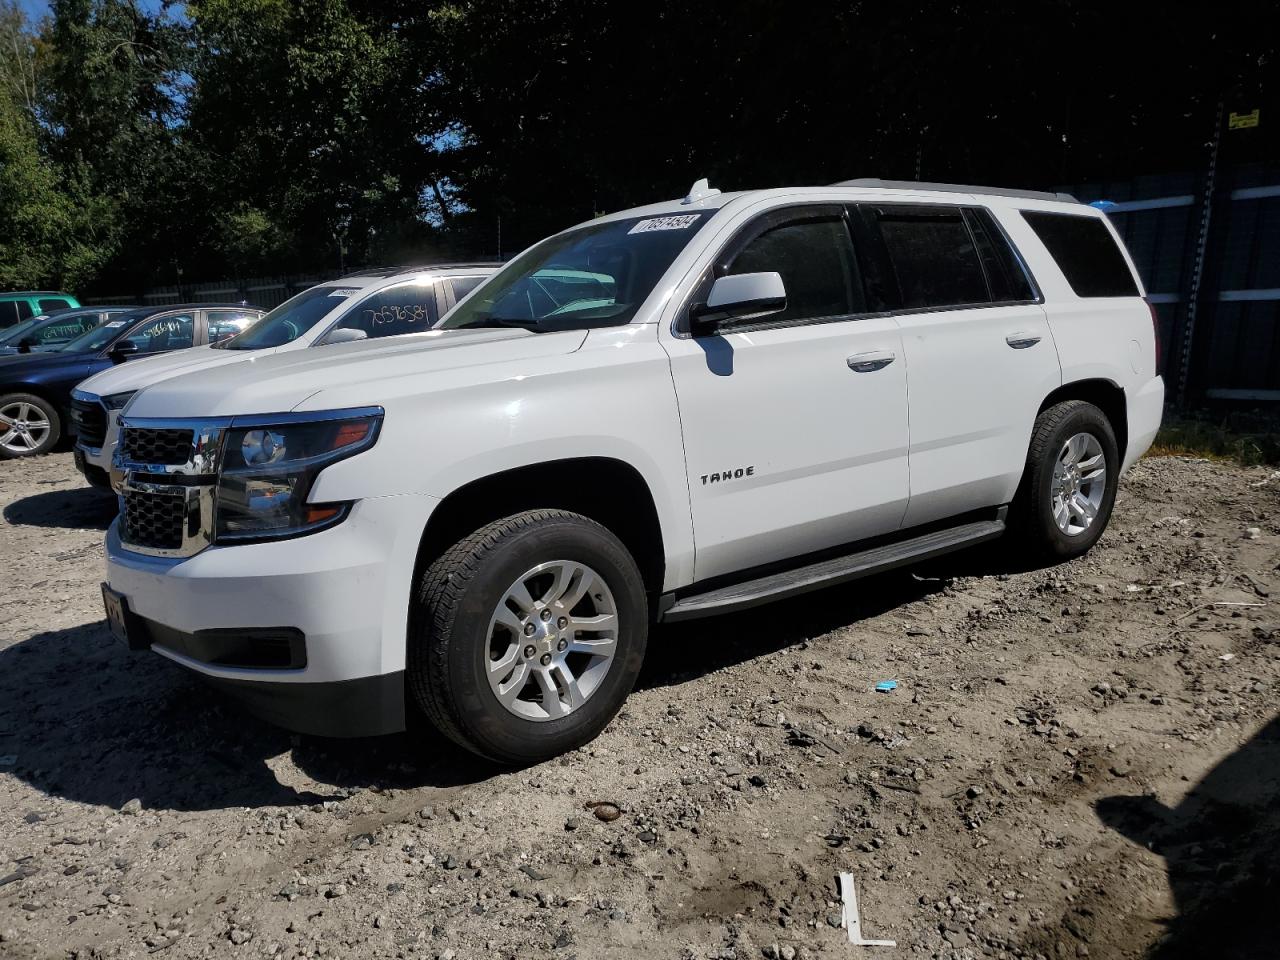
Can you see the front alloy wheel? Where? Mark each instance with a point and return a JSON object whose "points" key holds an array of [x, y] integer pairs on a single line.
{"points": [[28, 425], [552, 640], [527, 636]]}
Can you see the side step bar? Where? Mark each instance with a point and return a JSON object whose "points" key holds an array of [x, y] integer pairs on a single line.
{"points": [[829, 573]]}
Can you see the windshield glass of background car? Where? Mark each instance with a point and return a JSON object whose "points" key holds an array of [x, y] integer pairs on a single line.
{"points": [[290, 320], [595, 276], [98, 337]]}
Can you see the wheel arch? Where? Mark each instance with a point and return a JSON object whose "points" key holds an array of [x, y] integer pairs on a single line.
{"points": [[1106, 395], [610, 491]]}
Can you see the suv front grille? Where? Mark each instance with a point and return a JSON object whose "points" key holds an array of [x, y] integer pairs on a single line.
{"points": [[91, 422], [155, 521], [169, 447]]}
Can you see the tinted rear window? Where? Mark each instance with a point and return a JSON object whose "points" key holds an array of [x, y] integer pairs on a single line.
{"points": [[1086, 253], [933, 256]]}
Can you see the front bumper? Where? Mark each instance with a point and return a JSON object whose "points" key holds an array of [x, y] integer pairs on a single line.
{"points": [[346, 590]]}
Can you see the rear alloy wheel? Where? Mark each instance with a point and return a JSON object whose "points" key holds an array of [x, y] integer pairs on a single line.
{"points": [[1069, 485], [527, 636], [1079, 484], [28, 425]]}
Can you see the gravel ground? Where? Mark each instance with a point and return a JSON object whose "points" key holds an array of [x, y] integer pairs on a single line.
{"points": [[1078, 761]]}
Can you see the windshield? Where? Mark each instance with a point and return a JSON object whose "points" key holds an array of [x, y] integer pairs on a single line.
{"points": [[595, 276], [291, 319], [97, 338], [14, 334]]}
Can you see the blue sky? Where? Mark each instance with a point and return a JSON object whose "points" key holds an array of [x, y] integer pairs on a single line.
{"points": [[38, 8]]}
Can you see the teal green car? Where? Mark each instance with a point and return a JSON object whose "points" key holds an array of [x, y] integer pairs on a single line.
{"points": [[19, 305]]}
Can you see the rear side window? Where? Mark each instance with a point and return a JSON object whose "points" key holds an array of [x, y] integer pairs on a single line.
{"points": [[464, 285], [815, 259], [24, 309], [933, 257], [8, 313], [1086, 253], [54, 303], [1006, 276], [227, 323]]}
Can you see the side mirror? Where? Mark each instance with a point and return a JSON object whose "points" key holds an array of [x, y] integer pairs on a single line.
{"points": [[123, 350], [741, 296], [343, 335], [25, 344]]}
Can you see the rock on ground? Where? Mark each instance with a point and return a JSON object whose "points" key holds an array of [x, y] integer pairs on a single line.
{"points": [[1070, 765]]}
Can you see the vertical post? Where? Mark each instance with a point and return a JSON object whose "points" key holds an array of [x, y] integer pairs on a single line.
{"points": [[1197, 265]]}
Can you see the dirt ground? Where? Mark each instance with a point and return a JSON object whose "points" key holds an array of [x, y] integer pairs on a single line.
{"points": [[1082, 760]]}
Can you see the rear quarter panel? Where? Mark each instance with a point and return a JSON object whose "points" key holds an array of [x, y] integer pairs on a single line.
{"points": [[1098, 338]]}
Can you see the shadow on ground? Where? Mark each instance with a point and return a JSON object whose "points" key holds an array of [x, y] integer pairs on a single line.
{"points": [[90, 722], [81, 509], [1221, 845], [684, 651], [93, 723]]}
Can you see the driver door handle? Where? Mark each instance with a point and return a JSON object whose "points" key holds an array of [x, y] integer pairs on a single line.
{"points": [[1022, 339], [871, 361]]}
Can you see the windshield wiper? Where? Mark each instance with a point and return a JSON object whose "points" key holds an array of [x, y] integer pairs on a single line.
{"points": [[499, 322]]}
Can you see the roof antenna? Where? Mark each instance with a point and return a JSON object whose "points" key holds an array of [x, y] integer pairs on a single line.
{"points": [[700, 191]]}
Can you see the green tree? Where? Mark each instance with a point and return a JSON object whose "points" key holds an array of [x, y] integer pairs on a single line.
{"points": [[316, 115], [52, 232], [110, 88]]}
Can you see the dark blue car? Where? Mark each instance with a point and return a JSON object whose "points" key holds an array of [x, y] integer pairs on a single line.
{"points": [[35, 388]]}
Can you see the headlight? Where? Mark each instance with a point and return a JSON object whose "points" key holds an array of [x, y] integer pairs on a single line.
{"points": [[116, 401], [268, 471]]}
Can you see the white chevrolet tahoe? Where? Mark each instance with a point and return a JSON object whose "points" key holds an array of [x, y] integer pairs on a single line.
{"points": [[384, 302], [675, 411]]}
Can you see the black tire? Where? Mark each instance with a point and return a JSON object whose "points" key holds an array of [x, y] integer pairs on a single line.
{"points": [[1031, 515], [50, 413], [449, 634]]}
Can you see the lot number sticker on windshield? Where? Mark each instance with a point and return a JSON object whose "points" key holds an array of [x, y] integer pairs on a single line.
{"points": [[345, 292], [115, 323], [665, 223]]}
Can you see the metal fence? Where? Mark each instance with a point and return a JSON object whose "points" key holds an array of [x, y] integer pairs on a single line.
{"points": [[1208, 250], [265, 292]]}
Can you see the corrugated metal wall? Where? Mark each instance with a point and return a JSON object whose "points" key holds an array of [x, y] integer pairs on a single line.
{"points": [[1234, 350]]}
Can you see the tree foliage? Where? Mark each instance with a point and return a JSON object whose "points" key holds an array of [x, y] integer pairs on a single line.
{"points": [[53, 225], [253, 137]]}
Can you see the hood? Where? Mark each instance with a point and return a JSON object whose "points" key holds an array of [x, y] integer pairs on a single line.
{"points": [[136, 374], [369, 369], [20, 365]]}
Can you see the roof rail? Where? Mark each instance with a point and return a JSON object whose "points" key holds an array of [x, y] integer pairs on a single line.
{"points": [[392, 270], [955, 188]]}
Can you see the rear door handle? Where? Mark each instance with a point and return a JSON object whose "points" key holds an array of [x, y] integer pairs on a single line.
{"points": [[871, 361], [1022, 339]]}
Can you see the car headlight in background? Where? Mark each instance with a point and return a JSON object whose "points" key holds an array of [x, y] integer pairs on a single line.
{"points": [[268, 471], [117, 401]]}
